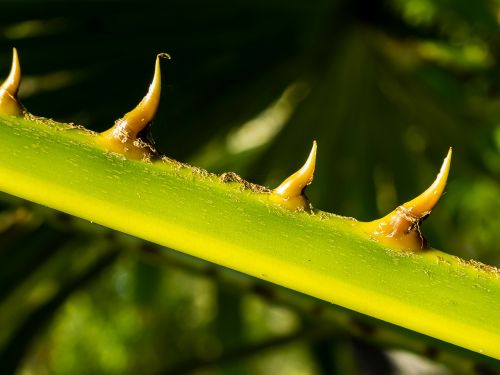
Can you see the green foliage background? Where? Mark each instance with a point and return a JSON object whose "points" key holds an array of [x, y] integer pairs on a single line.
{"points": [[384, 86]]}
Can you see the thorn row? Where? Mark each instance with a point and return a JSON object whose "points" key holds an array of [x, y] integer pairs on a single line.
{"points": [[130, 136]]}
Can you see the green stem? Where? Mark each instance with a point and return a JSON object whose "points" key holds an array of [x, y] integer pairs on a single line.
{"points": [[234, 225], [317, 313]]}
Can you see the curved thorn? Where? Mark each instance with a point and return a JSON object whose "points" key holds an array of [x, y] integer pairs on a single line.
{"points": [[422, 205], [8, 90], [11, 84], [125, 135], [294, 185], [132, 123], [290, 193], [401, 227]]}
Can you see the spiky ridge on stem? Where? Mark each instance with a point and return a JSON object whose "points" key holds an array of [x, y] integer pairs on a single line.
{"points": [[316, 253], [234, 225], [129, 136]]}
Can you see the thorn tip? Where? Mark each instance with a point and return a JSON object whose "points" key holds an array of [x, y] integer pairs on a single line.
{"points": [[422, 205]]}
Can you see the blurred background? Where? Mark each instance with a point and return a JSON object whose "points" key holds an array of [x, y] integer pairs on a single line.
{"points": [[385, 87]]}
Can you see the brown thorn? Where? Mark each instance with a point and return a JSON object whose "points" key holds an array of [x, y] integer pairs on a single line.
{"points": [[401, 228], [9, 103], [124, 135], [290, 193]]}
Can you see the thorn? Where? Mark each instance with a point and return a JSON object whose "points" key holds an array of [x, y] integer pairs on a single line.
{"points": [[127, 134], [422, 205], [9, 103], [11, 84], [400, 228], [290, 193], [295, 184]]}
